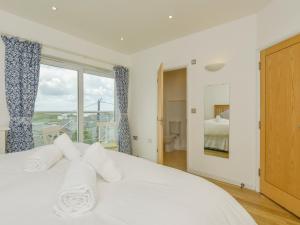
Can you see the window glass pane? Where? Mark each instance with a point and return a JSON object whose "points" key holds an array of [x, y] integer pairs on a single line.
{"points": [[98, 93], [101, 129], [56, 104], [57, 89], [99, 115]]}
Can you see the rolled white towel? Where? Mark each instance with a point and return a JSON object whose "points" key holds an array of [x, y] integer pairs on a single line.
{"points": [[65, 144], [78, 193], [97, 157], [43, 158]]}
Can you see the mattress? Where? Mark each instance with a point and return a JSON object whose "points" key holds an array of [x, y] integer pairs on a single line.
{"points": [[148, 194]]}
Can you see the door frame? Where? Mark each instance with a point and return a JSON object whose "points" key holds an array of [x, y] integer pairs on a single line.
{"points": [[167, 69], [279, 196], [160, 114]]}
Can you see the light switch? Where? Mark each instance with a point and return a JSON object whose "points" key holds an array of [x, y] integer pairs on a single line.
{"points": [[193, 110]]}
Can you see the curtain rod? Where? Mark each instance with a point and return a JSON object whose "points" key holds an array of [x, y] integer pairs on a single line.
{"points": [[62, 50]]}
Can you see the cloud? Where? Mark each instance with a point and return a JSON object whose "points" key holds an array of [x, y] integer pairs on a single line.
{"points": [[54, 88], [58, 90], [96, 87], [57, 81]]}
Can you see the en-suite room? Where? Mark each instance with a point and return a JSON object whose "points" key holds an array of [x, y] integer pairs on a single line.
{"points": [[175, 118]]}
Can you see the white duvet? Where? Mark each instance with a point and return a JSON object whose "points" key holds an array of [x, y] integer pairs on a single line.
{"points": [[148, 194], [215, 127]]}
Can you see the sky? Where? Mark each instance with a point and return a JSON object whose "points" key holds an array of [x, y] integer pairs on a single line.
{"points": [[58, 91]]}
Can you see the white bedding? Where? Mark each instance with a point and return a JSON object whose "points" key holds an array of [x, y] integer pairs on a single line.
{"points": [[218, 143], [214, 127], [149, 194]]}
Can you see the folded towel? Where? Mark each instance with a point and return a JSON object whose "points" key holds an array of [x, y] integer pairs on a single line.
{"points": [[43, 158], [97, 157], [65, 144], [78, 193]]}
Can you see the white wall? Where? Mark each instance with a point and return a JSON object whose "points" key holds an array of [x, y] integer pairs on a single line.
{"points": [[56, 44], [278, 21], [235, 44]]}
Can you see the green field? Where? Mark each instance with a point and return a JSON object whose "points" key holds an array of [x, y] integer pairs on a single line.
{"points": [[68, 122]]}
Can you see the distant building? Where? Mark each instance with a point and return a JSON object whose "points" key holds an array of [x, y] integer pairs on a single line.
{"points": [[68, 122]]}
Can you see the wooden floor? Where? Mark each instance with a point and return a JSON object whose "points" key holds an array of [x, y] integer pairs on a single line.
{"points": [[175, 159], [216, 153], [263, 210]]}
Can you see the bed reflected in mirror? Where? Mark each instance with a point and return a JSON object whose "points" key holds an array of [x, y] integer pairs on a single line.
{"points": [[217, 120]]}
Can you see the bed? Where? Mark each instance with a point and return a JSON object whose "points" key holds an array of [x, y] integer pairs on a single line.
{"points": [[216, 130], [148, 194]]}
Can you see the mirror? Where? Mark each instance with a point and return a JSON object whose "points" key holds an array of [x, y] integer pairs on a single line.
{"points": [[216, 120]]}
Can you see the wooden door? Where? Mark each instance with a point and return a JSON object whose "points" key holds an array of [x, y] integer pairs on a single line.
{"points": [[280, 124], [160, 114]]}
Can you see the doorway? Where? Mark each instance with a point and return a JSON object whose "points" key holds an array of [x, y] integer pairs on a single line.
{"points": [[173, 113]]}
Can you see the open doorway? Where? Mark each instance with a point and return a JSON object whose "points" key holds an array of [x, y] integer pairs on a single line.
{"points": [[173, 136]]}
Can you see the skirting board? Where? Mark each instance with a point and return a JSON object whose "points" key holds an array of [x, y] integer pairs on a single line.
{"points": [[222, 179]]}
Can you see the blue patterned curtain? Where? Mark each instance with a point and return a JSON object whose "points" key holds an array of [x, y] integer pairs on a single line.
{"points": [[22, 65], [122, 80]]}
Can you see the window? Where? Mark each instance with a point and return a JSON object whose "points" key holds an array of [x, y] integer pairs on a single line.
{"points": [[75, 100], [99, 113]]}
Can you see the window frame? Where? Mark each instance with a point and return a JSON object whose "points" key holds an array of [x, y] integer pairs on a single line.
{"points": [[81, 70]]}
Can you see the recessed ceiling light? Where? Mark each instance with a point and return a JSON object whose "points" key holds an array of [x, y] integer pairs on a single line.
{"points": [[170, 17], [54, 8], [122, 39]]}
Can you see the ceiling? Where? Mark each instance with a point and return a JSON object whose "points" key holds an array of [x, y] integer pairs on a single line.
{"points": [[142, 23]]}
